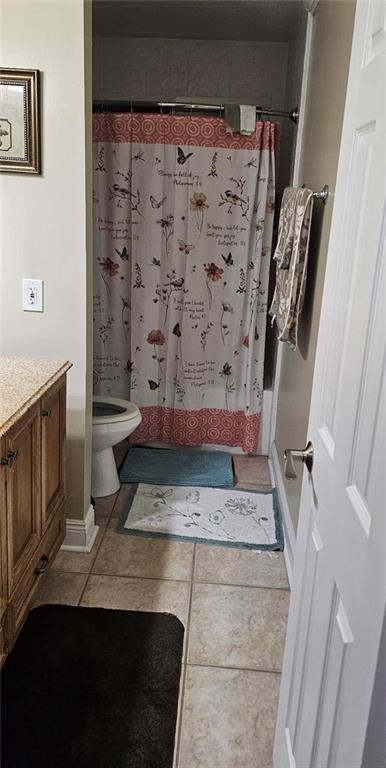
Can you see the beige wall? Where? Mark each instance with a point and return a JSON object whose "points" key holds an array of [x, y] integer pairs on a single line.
{"points": [[43, 218], [330, 56]]}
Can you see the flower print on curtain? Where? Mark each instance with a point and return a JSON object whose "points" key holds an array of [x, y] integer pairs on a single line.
{"points": [[183, 216]]}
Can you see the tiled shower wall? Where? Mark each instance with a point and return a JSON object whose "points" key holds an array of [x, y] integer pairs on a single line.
{"points": [[217, 71], [164, 70]]}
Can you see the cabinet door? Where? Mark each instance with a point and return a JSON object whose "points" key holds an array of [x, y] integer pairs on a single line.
{"points": [[23, 493], [53, 417], [3, 550]]}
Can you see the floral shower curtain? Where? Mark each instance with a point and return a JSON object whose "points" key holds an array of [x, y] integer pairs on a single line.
{"points": [[183, 216]]}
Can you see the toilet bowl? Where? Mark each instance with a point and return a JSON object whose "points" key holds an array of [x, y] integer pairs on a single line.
{"points": [[112, 420]]}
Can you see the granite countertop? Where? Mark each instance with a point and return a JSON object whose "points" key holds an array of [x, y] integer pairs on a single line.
{"points": [[23, 380]]}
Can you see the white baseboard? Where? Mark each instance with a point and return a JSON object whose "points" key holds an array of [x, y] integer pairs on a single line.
{"points": [[289, 532], [81, 534]]}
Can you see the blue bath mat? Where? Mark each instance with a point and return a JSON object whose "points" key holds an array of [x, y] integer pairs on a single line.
{"points": [[210, 469]]}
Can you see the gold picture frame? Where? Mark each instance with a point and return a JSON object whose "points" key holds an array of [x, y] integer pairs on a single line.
{"points": [[19, 120]]}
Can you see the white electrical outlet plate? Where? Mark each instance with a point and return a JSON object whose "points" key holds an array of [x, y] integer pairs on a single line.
{"points": [[32, 295]]}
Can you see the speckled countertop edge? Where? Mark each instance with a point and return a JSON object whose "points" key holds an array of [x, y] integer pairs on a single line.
{"points": [[23, 381]]}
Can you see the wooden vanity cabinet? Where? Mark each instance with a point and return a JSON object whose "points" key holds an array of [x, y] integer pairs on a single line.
{"points": [[32, 503]]}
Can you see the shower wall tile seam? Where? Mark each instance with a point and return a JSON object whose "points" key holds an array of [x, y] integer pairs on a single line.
{"points": [[177, 740], [240, 584], [97, 548], [188, 623], [136, 576], [236, 669], [178, 734], [164, 578], [190, 69]]}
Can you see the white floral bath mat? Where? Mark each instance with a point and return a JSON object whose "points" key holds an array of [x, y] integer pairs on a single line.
{"points": [[246, 519]]}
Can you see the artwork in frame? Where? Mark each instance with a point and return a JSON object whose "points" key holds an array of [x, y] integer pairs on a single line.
{"points": [[19, 120]]}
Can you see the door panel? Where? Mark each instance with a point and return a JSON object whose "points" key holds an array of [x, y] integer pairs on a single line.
{"points": [[339, 588], [21, 599], [350, 245], [3, 551], [339, 638], [53, 412], [23, 494]]}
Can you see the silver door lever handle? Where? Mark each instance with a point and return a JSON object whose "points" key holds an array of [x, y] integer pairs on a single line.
{"points": [[291, 455]]}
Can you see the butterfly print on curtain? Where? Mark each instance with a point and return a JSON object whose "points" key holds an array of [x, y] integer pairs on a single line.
{"points": [[182, 236]]}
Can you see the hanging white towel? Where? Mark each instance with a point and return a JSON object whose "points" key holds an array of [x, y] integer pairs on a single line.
{"points": [[247, 119]]}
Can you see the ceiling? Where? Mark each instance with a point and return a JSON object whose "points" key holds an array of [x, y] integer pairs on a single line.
{"points": [[260, 20]]}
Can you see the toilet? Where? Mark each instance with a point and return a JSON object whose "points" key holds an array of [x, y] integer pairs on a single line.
{"points": [[112, 420]]}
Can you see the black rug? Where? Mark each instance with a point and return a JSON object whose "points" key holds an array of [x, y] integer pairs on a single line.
{"points": [[91, 688]]}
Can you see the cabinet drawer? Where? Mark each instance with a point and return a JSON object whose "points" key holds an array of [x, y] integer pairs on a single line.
{"points": [[21, 597]]}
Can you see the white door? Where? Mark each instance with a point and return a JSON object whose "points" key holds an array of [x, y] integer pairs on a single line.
{"points": [[339, 586]]}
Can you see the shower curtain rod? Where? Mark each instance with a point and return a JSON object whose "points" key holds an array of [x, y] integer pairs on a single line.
{"points": [[171, 107]]}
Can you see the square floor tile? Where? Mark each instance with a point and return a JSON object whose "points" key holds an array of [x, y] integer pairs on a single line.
{"points": [[138, 595], [238, 626], [58, 587], [228, 718], [228, 565], [79, 562], [158, 558], [252, 472]]}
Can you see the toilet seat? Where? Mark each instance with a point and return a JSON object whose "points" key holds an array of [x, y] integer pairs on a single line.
{"points": [[115, 410]]}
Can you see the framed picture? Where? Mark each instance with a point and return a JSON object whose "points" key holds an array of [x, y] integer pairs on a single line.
{"points": [[19, 120]]}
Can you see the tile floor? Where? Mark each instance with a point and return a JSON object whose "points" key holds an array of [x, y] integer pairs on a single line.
{"points": [[233, 604]]}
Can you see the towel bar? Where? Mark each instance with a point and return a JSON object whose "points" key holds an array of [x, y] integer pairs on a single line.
{"points": [[322, 195]]}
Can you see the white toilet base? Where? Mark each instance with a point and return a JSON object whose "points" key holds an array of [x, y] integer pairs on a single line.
{"points": [[104, 476]]}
